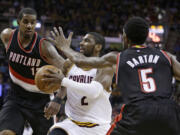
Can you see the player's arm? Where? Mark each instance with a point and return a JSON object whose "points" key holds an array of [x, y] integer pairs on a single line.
{"points": [[175, 66], [90, 62], [54, 105], [79, 59], [104, 76], [101, 82], [5, 36], [50, 54]]}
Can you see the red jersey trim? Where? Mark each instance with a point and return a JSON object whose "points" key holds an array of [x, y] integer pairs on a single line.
{"points": [[30, 81], [117, 66], [10, 40], [167, 56], [32, 46], [116, 119], [40, 50]]}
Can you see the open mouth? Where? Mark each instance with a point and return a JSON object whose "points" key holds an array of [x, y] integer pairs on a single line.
{"points": [[81, 49], [28, 32]]}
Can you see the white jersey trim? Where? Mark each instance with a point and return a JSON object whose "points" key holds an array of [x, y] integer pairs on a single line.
{"points": [[26, 86]]}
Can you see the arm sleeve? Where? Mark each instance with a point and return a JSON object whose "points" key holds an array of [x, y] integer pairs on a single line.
{"points": [[91, 90]]}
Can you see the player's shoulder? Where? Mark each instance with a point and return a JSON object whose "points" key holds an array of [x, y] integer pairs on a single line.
{"points": [[6, 33], [7, 30], [67, 66]]}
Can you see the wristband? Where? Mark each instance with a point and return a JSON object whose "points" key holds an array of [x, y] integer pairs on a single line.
{"points": [[57, 100]]}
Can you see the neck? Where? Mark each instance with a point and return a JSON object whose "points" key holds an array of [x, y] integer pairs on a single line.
{"points": [[24, 40], [95, 54]]}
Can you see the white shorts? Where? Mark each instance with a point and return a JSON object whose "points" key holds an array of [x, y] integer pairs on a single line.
{"points": [[72, 129]]}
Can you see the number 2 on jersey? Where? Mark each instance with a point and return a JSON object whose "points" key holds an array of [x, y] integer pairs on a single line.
{"points": [[83, 102], [147, 83]]}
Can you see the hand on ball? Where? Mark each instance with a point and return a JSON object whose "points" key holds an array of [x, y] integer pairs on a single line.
{"points": [[52, 77], [48, 79]]}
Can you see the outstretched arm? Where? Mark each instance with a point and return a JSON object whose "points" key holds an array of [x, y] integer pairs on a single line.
{"points": [[79, 59], [82, 61], [50, 55], [175, 66], [102, 81]]}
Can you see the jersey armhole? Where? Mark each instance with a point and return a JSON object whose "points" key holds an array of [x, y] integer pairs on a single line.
{"points": [[117, 66], [167, 56], [40, 52], [10, 40]]}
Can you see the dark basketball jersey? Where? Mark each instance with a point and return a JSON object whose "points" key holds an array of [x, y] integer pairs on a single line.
{"points": [[144, 72], [23, 64]]}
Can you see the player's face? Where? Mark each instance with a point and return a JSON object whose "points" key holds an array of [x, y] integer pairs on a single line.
{"points": [[27, 25], [87, 45]]}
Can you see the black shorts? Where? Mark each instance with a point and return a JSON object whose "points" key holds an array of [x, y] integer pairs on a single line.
{"points": [[149, 117], [14, 116]]}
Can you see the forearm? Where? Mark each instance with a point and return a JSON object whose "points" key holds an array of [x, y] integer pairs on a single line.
{"points": [[91, 90], [58, 61], [61, 93], [86, 62], [74, 56], [59, 97], [50, 55]]}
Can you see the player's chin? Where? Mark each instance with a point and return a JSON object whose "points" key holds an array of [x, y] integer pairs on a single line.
{"points": [[28, 35]]}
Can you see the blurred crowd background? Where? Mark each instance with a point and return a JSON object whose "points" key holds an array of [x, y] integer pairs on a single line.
{"points": [[104, 16]]}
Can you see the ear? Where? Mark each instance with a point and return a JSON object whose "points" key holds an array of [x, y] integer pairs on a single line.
{"points": [[98, 47]]}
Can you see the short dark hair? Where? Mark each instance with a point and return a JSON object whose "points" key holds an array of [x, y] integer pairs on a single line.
{"points": [[136, 30], [30, 11], [99, 39]]}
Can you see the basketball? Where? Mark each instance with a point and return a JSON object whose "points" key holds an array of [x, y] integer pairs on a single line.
{"points": [[43, 85]]}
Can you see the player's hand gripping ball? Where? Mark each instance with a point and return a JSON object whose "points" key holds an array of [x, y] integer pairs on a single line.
{"points": [[47, 86]]}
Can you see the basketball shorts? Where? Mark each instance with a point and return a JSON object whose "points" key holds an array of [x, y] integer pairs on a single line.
{"points": [[149, 117], [14, 116], [71, 128]]}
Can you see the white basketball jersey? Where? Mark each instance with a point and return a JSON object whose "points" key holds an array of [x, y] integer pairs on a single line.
{"points": [[84, 108]]}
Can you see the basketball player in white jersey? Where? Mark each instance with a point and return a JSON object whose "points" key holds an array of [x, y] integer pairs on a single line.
{"points": [[132, 27], [88, 107]]}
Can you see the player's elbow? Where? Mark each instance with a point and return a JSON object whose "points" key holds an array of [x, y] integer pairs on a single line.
{"points": [[78, 62]]}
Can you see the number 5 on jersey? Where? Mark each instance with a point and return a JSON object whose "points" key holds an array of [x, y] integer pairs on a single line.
{"points": [[147, 83]]}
